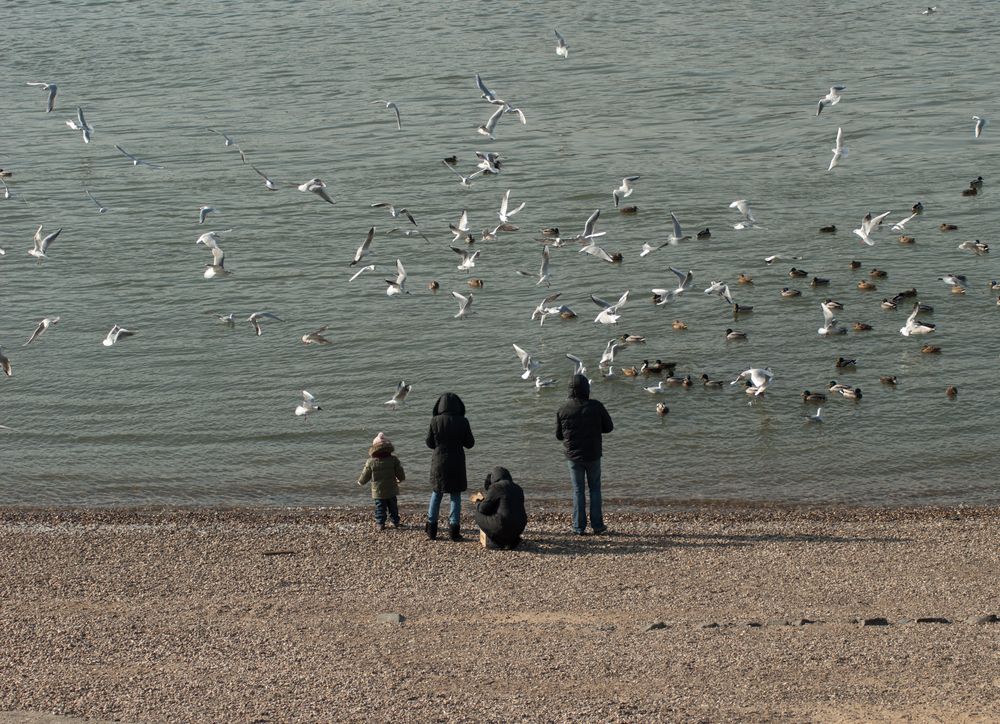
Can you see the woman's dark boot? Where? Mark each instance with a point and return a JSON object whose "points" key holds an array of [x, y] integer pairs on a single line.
{"points": [[455, 532], [431, 529]]}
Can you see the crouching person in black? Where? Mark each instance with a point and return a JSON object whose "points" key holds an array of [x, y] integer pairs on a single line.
{"points": [[500, 512]]}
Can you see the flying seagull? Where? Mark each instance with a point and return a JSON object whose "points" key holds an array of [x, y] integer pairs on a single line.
{"points": [[394, 108], [830, 99], [399, 397], [42, 326], [52, 88], [80, 124], [135, 160], [562, 50], [308, 405], [116, 334], [365, 248], [316, 186]]}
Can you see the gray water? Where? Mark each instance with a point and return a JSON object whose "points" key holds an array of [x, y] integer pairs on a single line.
{"points": [[707, 102]]}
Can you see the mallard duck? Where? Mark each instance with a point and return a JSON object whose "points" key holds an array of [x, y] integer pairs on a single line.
{"points": [[831, 229], [744, 279], [833, 304], [662, 409], [567, 313], [888, 380], [904, 239], [951, 392], [475, 283], [679, 380], [948, 227], [888, 304], [550, 231], [451, 160], [710, 383], [632, 371], [632, 339], [678, 325], [855, 264], [862, 327], [930, 349], [4, 173], [704, 234], [836, 387], [971, 191], [788, 292], [741, 309], [628, 210], [851, 393], [845, 363], [734, 334], [819, 282], [808, 396], [867, 286], [958, 290], [976, 183], [878, 274], [434, 286], [917, 208], [793, 272], [905, 294], [657, 367]]}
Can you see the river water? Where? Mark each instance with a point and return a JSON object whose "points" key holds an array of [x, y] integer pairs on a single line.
{"points": [[707, 103]]}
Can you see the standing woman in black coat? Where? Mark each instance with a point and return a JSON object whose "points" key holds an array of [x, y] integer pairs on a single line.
{"points": [[448, 436]]}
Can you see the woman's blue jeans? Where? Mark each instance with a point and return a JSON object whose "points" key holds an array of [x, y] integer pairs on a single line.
{"points": [[579, 472], [454, 515]]}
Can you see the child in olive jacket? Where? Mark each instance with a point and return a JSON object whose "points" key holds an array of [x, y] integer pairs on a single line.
{"points": [[385, 472]]}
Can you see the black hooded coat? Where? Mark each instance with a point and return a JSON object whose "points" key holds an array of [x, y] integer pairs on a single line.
{"points": [[448, 435], [501, 514], [581, 422]]}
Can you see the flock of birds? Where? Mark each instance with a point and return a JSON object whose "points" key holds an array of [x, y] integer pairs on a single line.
{"points": [[755, 380]]}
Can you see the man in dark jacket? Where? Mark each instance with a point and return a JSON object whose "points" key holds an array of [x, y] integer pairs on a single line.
{"points": [[500, 514], [580, 424], [449, 435]]}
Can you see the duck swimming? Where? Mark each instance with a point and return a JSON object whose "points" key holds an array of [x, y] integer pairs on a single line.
{"points": [[815, 397], [831, 229], [793, 272], [788, 292], [735, 334], [867, 286], [862, 327], [704, 234], [844, 363]]}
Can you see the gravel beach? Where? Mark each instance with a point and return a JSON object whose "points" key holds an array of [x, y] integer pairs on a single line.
{"points": [[693, 612]]}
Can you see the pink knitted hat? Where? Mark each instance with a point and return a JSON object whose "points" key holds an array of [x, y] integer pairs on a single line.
{"points": [[380, 440]]}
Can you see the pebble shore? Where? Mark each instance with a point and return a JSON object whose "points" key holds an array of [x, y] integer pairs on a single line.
{"points": [[686, 612]]}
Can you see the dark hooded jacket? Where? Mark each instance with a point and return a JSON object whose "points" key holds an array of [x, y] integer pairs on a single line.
{"points": [[449, 433], [581, 422], [501, 514]]}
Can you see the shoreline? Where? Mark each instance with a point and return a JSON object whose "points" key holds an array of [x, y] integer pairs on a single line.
{"points": [[721, 613]]}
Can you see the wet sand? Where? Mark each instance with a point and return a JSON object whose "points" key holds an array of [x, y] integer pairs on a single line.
{"points": [[693, 612]]}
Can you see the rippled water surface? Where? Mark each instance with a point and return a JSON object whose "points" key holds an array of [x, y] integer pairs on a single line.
{"points": [[706, 102]]}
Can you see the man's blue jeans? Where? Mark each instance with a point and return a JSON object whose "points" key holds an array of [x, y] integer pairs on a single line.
{"points": [[589, 471], [454, 515]]}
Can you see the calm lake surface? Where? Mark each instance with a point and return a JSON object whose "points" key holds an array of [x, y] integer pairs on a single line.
{"points": [[708, 103]]}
